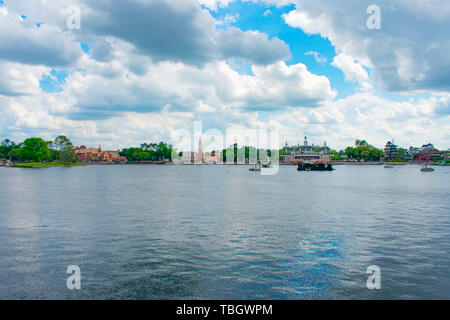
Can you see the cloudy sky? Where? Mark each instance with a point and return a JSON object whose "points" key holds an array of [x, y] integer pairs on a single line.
{"points": [[136, 71]]}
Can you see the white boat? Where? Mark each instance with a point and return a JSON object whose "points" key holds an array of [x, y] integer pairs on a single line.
{"points": [[256, 167], [426, 168]]}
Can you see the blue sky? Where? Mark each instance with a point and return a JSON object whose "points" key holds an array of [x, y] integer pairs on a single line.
{"points": [[142, 70], [256, 16], [251, 16]]}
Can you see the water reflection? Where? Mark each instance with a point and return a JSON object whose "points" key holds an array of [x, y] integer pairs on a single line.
{"points": [[218, 232]]}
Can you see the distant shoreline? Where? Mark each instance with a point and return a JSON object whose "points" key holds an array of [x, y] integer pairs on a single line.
{"points": [[61, 164]]}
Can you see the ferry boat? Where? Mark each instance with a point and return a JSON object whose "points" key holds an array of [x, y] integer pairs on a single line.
{"points": [[305, 166]]}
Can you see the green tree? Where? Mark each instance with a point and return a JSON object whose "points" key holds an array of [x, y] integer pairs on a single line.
{"points": [[65, 148], [148, 152], [401, 154], [335, 155], [361, 143], [14, 154], [5, 148], [363, 151], [34, 149]]}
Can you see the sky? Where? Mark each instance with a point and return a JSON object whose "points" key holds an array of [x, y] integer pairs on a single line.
{"points": [[121, 73]]}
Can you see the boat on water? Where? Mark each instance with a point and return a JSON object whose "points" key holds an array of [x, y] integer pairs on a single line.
{"points": [[256, 167], [306, 166], [267, 165], [425, 167], [259, 166], [388, 166]]}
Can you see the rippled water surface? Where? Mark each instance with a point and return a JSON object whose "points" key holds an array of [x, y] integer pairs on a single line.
{"points": [[222, 232]]}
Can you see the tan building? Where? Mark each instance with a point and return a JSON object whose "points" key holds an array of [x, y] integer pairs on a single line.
{"points": [[212, 158], [85, 154], [190, 157]]}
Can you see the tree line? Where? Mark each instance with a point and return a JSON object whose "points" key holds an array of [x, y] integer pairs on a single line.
{"points": [[363, 151], [62, 149], [163, 151], [37, 149], [148, 152], [245, 152]]}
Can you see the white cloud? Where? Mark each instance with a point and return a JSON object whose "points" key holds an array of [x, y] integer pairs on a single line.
{"points": [[228, 20], [252, 46], [19, 79], [103, 90], [277, 86], [215, 4], [141, 85], [147, 25], [21, 41], [409, 53], [352, 70], [370, 117], [317, 56], [100, 103]]}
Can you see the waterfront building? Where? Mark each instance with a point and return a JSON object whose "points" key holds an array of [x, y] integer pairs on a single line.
{"points": [[390, 151], [212, 158], [305, 147], [305, 153], [412, 151], [191, 157], [426, 150], [188, 157], [446, 154], [85, 154]]}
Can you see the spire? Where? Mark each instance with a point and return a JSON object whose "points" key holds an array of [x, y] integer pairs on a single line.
{"points": [[200, 149]]}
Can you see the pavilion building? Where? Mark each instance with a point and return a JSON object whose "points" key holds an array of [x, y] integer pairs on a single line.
{"points": [[390, 151], [305, 153], [426, 150]]}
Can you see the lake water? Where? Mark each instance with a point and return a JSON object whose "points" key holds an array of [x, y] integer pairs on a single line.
{"points": [[222, 232]]}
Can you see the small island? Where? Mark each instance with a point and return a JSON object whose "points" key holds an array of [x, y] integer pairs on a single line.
{"points": [[45, 164]]}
